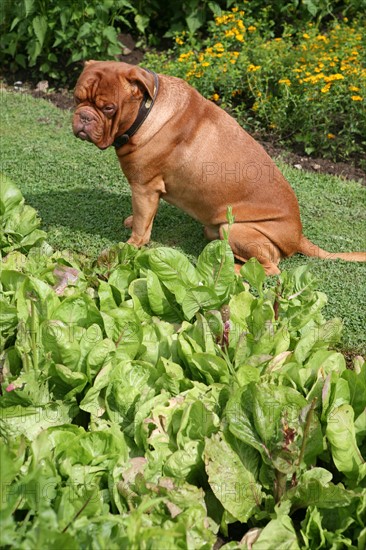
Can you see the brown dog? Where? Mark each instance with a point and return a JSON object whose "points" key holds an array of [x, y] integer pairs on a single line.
{"points": [[174, 144]]}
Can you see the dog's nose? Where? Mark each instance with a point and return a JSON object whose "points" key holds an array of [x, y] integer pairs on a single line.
{"points": [[85, 117]]}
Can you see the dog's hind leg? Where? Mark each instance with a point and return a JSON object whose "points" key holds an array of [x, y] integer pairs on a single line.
{"points": [[247, 241]]}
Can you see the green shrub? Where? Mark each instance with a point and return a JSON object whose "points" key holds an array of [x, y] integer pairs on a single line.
{"points": [[306, 87], [52, 36]]}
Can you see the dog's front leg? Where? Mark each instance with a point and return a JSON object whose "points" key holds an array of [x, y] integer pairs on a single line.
{"points": [[145, 202]]}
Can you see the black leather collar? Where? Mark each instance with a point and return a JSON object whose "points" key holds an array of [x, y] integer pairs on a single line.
{"points": [[145, 108]]}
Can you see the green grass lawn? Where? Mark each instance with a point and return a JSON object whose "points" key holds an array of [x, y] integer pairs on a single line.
{"points": [[83, 198]]}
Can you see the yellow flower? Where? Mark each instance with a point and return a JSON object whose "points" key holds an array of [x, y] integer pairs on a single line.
{"points": [[326, 88], [330, 136], [179, 41], [229, 34], [224, 19], [356, 98], [305, 35], [219, 47], [313, 79], [252, 68], [285, 81], [215, 97], [235, 9], [252, 28], [184, 56], [333, 77], [353, 89], [205, 64], [240, 37]]}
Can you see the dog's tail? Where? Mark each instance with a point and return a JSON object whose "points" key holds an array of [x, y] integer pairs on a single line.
{"points": [[308, 248]]}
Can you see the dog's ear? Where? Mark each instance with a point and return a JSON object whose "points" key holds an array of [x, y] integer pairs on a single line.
{"points": [[141, 81], [89, 62]]}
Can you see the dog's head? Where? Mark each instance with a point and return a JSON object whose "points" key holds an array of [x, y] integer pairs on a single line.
{"points": [[107, 96]]}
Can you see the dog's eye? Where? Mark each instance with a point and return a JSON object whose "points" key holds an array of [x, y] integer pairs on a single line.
{"points": [[109, 109]]}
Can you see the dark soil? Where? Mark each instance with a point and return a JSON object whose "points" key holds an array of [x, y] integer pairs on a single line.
{"points": [[344, 170], [63, 99]]}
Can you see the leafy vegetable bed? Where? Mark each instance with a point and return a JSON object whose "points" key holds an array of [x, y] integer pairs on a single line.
{"points": [[150, 403]]}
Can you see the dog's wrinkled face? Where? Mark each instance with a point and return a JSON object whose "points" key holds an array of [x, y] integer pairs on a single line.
{"points": [[107, 96]]}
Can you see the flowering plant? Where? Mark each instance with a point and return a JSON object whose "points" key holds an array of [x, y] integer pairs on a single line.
{"points": [[306, 86]]}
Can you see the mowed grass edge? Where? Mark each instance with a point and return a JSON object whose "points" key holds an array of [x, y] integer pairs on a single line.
{"points": [[82, 197]]}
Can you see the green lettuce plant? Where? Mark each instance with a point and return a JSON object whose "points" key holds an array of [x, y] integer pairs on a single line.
{"points": [[148, 402]]}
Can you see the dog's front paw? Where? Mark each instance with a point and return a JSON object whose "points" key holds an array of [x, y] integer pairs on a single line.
{"points": [[137, 241], [128, 222]]}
